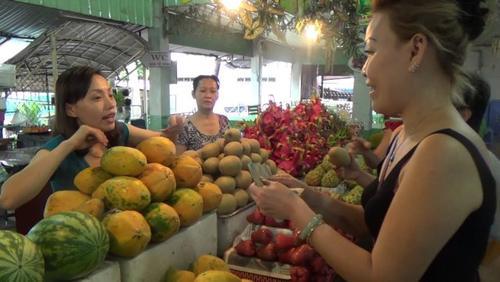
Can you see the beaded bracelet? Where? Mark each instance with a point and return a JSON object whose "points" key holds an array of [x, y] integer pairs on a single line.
{"points": [[316, 221]]}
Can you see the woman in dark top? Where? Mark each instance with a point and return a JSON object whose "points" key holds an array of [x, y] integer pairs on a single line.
{"points": [[431, 209], [204, 126]]}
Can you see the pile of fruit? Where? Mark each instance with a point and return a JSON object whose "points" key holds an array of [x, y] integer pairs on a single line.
{"points": [[137, 196], [277, 243], [65, 246], [324, 175], [206, 268], [297, 138], [225, 164], [145, 191]]}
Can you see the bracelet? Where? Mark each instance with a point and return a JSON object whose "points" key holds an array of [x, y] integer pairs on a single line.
{"points": [[309, 238], [316, 221]]}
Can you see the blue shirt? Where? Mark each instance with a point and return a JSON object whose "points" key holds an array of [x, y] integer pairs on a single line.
{"points": [[62, 179]]}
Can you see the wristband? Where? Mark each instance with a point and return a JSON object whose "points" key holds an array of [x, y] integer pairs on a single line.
{"points": [[316, 221]]}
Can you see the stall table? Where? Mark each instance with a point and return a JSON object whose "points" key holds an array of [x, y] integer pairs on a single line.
{"points": [[178, 251]]}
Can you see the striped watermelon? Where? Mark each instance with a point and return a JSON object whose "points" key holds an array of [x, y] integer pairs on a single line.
{"points": [[20, 259], [73, 244]]}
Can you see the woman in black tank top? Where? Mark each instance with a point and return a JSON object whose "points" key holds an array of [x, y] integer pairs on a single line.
{"points": [[431, 209]]}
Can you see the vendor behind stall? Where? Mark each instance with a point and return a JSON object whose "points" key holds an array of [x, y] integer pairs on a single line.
{"points": [[204, 126]]}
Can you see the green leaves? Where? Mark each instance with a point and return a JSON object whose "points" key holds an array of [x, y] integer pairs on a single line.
{"points": [[31, 110]]}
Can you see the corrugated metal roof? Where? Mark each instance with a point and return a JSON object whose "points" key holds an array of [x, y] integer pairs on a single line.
{"points": [[30, 21], [130, 11], [21, 20], [172, 3], [105, 47]]}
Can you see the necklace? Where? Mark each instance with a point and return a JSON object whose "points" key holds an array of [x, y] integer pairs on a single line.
{"points": [[391, 156], [394, 149]]}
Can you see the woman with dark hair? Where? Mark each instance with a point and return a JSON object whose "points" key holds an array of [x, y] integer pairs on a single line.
{"points": [[430, 210], [204, 126], [85, 126], [475, 101]]}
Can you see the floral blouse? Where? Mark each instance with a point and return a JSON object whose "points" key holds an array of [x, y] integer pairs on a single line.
{"points": [[193, 139]]}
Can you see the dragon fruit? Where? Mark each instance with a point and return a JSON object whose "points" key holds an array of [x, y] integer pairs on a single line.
{"points": [[297, 138]]}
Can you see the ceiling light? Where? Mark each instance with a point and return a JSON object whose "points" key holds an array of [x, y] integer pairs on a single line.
{"points": [[312, 31], [231, 4]]}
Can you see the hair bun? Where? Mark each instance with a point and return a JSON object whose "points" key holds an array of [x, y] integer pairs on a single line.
{"points": [[473, 17]]}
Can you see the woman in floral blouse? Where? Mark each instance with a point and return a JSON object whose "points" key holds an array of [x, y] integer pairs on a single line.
{"points": [[204, 126]]}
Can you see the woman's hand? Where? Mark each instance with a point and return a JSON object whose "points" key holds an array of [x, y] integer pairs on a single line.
{"points": [[288, 180], [351, 172], [175, 126], [97, 150], [274, 199], [86, 137], [315, 199], [358, 145]]}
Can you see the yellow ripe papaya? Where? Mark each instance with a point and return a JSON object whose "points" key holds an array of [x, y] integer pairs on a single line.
{"points": [[160, 181], [61, 201], [208, 262], [217, 276], [90, 178], [188, 204], [158, 149], [187, 171], [129, 233], [123, 161]]}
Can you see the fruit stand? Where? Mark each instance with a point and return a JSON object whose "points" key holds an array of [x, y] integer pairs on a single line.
{"points": [[178, 251], [231, 225], [144, 211], [147, 212], [108, 271]]}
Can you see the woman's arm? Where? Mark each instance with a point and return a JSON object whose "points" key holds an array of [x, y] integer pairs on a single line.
{"points": [[137, 135], [432, 201], [348, 217], [434, 197], [27, 183], [353, 172], [359, 145], [364, 178], [180, 148]]}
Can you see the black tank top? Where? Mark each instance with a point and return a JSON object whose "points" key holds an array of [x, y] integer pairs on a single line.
{"points": [[460, 257]]}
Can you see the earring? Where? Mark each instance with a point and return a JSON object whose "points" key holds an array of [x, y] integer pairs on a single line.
{"points": [[413, 68]]}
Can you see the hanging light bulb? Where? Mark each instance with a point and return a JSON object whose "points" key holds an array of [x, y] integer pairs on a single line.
{"points": [[231, 4], [312, 31]]}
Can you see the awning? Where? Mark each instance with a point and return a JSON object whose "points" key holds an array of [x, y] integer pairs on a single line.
{"points": [[109, 48]]}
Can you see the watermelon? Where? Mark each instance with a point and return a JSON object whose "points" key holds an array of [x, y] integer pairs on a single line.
{"points": [[20, 259], [73, 244]]}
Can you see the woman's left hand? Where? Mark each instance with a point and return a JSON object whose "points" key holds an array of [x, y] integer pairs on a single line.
{"points": [[275, 199]]}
